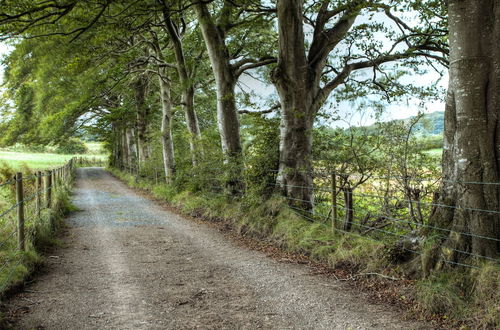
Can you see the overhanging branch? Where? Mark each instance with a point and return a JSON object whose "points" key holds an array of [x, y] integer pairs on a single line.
{"points": [[262, 112]]}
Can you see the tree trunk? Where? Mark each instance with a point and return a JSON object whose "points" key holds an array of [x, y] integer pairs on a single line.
{"points": [[166, 127], [349, 209], [140, 92], [117, 156], [188, 91], [132, 147], [125, 149], [227, 114], [294, 81], [472, 136], [192, 123]]}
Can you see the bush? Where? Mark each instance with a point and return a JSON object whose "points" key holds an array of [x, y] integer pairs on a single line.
{"points": [[431, 142], [71, 147], [19, 147]]}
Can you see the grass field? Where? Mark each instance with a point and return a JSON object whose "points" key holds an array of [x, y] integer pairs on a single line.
{"points": [[435, 152], [95, 148], [39, 161]]}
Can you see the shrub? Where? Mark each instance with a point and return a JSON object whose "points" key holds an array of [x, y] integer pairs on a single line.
{"points": [[19, 147], [71, 147]]}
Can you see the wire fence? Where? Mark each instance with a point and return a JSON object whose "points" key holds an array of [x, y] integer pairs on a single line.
{"points": [[89, 161], [385, 208], [30, 196]]}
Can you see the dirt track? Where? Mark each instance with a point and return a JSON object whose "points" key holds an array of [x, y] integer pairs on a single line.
{"points": [[128, 263]]}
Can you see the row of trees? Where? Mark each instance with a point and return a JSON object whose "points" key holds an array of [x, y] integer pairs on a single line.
{"points": [[127, 69]]}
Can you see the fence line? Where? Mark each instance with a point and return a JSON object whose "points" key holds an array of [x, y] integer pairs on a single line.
{"points": [[326, 217], [59, 176], [406, 221], [323, 181], [388, 177]]}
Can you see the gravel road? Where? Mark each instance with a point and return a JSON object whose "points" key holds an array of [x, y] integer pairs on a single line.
{"points": [[128, 263]]}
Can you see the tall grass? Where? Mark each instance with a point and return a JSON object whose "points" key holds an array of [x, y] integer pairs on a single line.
{"points": [[15, 265]]}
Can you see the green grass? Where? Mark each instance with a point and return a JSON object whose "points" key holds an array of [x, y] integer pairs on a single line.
{"points": [[16, 265], [95, 148], [39, 161], [435, 152]]}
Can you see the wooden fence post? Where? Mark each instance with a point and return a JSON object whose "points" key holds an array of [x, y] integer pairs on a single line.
{"points": [[48, 188], [38, 202], [334, 200], [20, 210]]}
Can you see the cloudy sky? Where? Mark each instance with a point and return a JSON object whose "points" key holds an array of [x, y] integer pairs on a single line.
{"points": [[393, 110]]}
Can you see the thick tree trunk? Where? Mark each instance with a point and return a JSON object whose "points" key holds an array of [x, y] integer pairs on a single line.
{"points": [[166, 127], [471, 151], [225, 79], [187, 86], [140, 92], [295, 170], [294, 81]]}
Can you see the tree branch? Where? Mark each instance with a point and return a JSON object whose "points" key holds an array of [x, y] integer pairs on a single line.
{"points": [[247, 64], [325, 40], [277, 106], [346, 71]]}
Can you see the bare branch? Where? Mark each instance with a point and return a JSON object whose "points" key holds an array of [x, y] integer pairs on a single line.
{"points": [[252, 64], [277, 106]]}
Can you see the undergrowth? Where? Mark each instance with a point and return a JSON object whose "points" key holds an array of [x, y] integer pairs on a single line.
{"points": [[15, 265], [461, 297]]}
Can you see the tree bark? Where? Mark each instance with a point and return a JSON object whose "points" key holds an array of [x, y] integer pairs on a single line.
{"points": [[349, 208], [225, 79], [132, 147], [140, 87], [293, 79], [188, 91], [166, 118], [117, 151], [125, 149], [166, 127], [471, 153]]}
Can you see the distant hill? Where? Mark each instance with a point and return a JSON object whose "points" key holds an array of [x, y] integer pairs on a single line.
{"points": [[430, 124]]}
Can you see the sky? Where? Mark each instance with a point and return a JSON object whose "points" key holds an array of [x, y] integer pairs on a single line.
{"points": [[350, 117]]}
